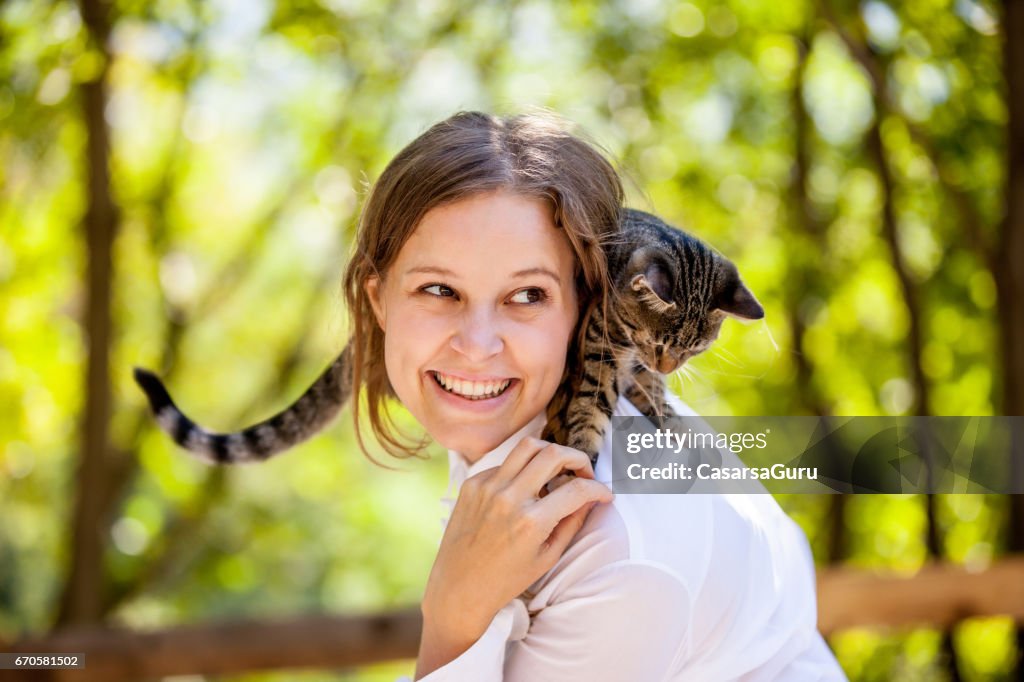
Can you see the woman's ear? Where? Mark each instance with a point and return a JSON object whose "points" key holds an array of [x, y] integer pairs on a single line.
{"points": [[373, 292]]}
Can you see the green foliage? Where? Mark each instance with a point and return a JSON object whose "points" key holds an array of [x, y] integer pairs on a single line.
{"points": [[243, 136]]}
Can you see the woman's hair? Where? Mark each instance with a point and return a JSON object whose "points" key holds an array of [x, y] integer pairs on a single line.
{"points": [[533, 155]]}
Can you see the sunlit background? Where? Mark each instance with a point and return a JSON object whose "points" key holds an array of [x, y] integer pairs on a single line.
{"points": [[243, 137]]}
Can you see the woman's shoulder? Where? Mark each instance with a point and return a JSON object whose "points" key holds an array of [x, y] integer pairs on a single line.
{"points": [[701, 540], [739, 517], [603, 559], [729, 576], [705, 539]]}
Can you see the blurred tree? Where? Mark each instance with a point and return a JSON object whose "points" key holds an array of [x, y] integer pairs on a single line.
{"points": [[1009, 263], [181, 179], [82, 598]]}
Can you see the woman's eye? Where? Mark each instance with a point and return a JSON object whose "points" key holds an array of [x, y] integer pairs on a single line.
{"points": [[438, 290], [528, 296]]}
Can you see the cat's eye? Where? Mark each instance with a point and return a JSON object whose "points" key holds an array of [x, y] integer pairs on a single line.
{"points": [[438, 290], [528, 296]]}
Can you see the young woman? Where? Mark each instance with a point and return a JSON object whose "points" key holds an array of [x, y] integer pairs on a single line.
{"points": [[477, 263]]}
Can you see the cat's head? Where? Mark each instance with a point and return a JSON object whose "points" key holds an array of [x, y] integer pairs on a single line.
{"points": [[674, 302]]}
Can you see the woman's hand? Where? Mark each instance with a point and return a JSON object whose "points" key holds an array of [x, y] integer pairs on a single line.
{"points": [[501, 538]]}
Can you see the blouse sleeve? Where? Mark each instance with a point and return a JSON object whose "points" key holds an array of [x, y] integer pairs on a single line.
{"points": [[483, 661], [626, 621]]}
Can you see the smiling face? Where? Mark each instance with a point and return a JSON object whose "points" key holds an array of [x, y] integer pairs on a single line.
{"points": [[477, 311]]}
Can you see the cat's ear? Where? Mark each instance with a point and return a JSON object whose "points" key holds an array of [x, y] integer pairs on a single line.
{"points": [[734, 298], [654, 287]]}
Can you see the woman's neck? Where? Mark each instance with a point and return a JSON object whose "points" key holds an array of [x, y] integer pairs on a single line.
{"points": [[533, 428]]}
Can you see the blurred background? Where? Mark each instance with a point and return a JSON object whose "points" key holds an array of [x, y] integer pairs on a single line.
{"points": [[179, 187]]}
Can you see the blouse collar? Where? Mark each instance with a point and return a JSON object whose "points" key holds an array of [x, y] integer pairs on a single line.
{"points": [[459, 469]]}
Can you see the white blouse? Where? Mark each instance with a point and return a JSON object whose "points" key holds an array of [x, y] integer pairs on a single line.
{"points": [[701, 587]]}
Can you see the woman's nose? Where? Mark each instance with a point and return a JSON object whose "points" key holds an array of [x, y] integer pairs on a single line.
{"points": [[477, 336]]}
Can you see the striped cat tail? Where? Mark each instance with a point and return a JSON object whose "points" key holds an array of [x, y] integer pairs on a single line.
{"points": [[302, 419], [168, 416]]}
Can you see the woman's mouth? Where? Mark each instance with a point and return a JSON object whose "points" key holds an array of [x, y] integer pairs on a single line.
{"points": [[471, 390]]}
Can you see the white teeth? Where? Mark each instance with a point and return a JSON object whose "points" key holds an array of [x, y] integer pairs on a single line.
{"points": [[475, 390]]}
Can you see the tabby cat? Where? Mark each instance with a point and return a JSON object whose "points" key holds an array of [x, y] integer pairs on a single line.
{"points": [[670, 295]]}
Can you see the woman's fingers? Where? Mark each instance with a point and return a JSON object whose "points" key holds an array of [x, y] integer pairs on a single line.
{"points": [[567, 500], [514, 489], [520, 456], [501, 538], [547, 464], [565, 531]]}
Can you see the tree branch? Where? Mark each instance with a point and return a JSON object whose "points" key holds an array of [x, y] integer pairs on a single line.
{"points": [[940, 595], [318, 641]]}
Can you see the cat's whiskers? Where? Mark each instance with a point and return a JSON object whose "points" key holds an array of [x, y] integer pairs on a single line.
{"points": [[734, 374], [768, 330], [719, 353], [687, 372]]}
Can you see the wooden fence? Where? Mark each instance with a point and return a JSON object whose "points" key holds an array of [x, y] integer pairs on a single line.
{"points": [[938, 595]]}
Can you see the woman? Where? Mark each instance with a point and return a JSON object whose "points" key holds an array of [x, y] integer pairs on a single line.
{"points": [[477, 264]]}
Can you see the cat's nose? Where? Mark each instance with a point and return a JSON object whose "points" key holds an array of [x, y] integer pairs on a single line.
{"points": [[667, 363]]}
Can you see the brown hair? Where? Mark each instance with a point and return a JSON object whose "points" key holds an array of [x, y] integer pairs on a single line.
{"points": [[532, 155]]}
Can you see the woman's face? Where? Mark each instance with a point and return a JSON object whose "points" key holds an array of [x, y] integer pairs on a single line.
{"points": [[477, 311]]}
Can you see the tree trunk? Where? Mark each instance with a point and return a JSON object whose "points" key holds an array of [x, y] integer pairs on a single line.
{"points": [[1009, 274], [1010, 255], [81, 601]]}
